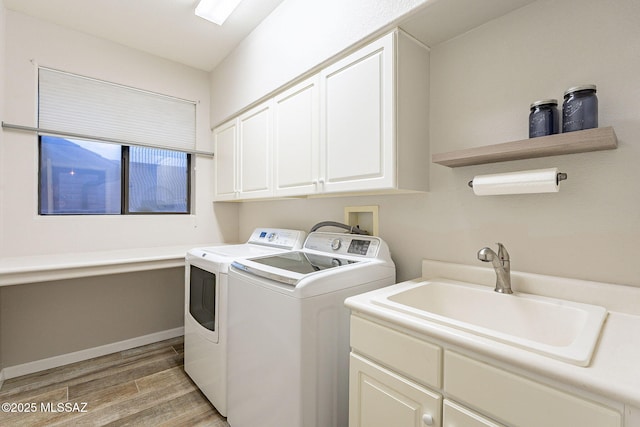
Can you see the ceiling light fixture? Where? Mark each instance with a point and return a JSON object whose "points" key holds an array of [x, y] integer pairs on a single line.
{"points": [[216, 11]]}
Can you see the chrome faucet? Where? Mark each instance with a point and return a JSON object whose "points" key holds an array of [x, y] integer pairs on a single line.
{"points": [[501, 265]]}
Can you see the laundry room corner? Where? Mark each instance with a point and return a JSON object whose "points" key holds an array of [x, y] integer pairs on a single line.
{"points": [[115, 278]]}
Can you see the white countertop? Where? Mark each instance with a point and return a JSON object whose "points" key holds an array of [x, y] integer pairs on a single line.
{"points": [[613, 372], [41, 268]]}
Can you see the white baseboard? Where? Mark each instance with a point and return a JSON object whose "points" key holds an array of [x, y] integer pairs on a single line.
{"points": [[90, 353]]}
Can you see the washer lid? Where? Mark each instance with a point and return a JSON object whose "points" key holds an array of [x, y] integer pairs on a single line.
{"points": [[303, 263], [291, 267], [244, 250]]}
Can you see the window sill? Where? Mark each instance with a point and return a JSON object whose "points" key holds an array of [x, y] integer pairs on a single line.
{"points": [[45, 268]]}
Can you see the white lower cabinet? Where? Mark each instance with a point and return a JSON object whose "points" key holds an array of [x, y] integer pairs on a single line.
{"points": [[382, 398], [399, 380], [520, 401], [455, 415]]}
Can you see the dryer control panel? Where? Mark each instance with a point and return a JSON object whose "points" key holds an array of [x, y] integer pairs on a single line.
{"points": [[343, 244]]}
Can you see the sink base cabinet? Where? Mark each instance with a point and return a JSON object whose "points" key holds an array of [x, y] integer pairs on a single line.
{"points": [[402, 380], [520, 401], [381, 398], [455, 415], [413, 358]]}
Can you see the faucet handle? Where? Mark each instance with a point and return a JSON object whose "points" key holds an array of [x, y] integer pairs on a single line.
{"points": [[502, 252]]}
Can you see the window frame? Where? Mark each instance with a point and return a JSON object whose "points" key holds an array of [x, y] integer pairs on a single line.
{"points": [[124, 180], [124, 192]]}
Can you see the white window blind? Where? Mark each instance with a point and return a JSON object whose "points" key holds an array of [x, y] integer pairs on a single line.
{"points": [[81, 105]]}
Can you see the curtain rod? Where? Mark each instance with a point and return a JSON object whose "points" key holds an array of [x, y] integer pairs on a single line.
{"points": [[40, 131]]}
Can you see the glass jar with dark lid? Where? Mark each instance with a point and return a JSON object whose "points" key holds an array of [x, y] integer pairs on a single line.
{"points": [[580, 108], [543, 118]]}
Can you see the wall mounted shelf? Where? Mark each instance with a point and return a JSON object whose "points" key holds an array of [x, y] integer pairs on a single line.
{"points": [[553, 145]]}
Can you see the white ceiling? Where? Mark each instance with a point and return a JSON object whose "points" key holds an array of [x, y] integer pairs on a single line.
{"points": [[439, 21], [166, 28], [169, 28]]}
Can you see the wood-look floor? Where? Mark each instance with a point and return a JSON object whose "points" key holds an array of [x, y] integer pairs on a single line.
{"points": [[144, 386]]}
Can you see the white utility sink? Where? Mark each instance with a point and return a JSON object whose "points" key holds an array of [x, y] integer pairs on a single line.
{"points": [[563, 330]]}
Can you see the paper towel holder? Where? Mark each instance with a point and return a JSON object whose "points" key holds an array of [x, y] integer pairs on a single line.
{"points": [[560, 176]]}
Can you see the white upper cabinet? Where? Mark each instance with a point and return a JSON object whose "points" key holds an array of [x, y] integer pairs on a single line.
{"points": [[374, 118], [360, 125], [296, 137], [225, 148], [242, 162], [254, 152], [357, 125]]}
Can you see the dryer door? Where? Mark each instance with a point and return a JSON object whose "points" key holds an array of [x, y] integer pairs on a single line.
{"points": [[203, 301]]}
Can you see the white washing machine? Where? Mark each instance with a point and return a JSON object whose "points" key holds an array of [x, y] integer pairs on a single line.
{"points": [[289, 330], [205, 318]]}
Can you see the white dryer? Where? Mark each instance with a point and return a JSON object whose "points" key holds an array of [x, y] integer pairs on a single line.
{"points": [[205, 318], [289, 330]]}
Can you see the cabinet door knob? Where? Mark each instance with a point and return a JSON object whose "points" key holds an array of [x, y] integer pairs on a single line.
{"points": [[427, 419]]}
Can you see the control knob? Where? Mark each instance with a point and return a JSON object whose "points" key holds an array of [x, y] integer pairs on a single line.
{"points": [[336, 244]]}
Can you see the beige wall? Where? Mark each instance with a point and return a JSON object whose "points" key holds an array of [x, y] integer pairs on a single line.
{"points": [[298, 36], [54, 318], [481, 86], [32, 43], [2, 43], [49, 319]]}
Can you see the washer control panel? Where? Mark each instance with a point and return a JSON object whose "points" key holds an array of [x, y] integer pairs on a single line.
{"points": [[343, 244], [278, 237]]}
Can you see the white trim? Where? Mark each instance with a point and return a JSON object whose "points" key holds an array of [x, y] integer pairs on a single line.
{"points": [[1, 378], [90, 353]]}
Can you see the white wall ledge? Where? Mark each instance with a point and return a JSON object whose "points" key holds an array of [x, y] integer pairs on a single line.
{"points": [[44, 268]]}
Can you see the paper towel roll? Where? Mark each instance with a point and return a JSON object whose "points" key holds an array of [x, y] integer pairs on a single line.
{"points": [[524, 182]]}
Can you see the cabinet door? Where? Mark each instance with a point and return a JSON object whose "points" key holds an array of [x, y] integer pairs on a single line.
{"points": [[520, 401], [357, 123], [296, 137], [254, 152], [381, 398], [225, 161], [411, 357], [455, 415]]}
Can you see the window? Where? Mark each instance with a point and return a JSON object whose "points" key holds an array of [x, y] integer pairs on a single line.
{"points": [[89, 177], [158, 180], [116, 149]]}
